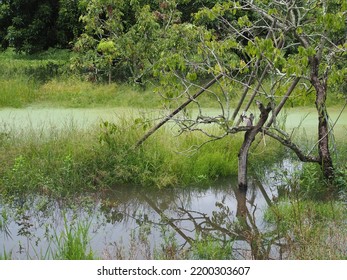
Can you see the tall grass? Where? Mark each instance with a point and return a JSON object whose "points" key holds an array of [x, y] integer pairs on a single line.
{"points": [[73, 242], [310, 214], [73, 92], [310, 229], [71, 159], [47, 79], [16, 92]]}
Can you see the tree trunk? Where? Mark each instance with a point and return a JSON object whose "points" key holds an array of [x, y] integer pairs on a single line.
{"points": [[325, 162], [248, 140]]}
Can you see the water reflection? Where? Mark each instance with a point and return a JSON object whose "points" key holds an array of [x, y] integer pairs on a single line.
{"points": [[131, 223], [236, 216]]}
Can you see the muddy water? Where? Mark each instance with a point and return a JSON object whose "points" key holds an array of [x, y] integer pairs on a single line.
{"points": [[129, 223]]}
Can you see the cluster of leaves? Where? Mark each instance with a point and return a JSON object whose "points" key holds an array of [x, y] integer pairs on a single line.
{"points": [[123, 39]]}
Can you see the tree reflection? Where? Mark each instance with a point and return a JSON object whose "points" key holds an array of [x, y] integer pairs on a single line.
{"points": [[182, 220], [230, 225]]}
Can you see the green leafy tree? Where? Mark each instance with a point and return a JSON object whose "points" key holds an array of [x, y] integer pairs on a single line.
{"points": [[121, 38], [291, 45], [68, 24], [5, 20], [139, 30]]}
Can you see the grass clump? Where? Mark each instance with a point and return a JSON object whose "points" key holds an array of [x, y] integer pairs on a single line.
{"points": [[72, 243], [212, 249], [311, 229]]}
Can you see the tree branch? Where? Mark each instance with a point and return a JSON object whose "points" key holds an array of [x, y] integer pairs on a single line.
{"points": [[175, 112], [292, 146]]}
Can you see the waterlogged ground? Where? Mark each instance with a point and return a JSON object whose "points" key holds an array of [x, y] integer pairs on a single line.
{"points": [[127, 223]]}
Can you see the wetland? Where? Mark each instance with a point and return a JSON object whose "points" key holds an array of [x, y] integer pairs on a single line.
{"points": [[64, 199]]}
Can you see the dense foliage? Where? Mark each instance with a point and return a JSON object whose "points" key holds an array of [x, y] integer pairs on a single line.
{"points": [[35, 25]]}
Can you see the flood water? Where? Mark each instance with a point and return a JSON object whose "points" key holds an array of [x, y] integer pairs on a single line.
{"points": [[129, 223]]}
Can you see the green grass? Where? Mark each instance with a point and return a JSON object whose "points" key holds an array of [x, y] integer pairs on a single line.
{"points": [[311, 229], [212, 249], [73, 242], [68, 160], [47, 79], [75, 93]]}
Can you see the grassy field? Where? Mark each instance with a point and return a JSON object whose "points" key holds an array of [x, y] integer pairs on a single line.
{"points": [[69, 159], [49, 80]]}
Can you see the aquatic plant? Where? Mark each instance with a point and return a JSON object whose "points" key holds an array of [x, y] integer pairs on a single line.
{"points": [[73, 242]]}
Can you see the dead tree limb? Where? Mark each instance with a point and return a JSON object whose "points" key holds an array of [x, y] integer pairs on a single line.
{"points": [[245, 91], [151, 203], [250, 81], [180, 108], [292, 146], [255, 91], [283, 101]]}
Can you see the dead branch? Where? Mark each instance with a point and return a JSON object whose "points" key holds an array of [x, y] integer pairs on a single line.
{"points": [[283, 101], [180, 108], [292, 146]]}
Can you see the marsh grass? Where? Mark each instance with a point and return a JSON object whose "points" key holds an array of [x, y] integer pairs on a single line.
{"points": [[70, 159], [6, 255], [311, 229], [212, 249], [76, 93], [47, 79], [73, 242]]}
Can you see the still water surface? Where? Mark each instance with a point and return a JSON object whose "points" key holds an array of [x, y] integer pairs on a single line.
{"points": [[38, 118], [127, 222]]}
